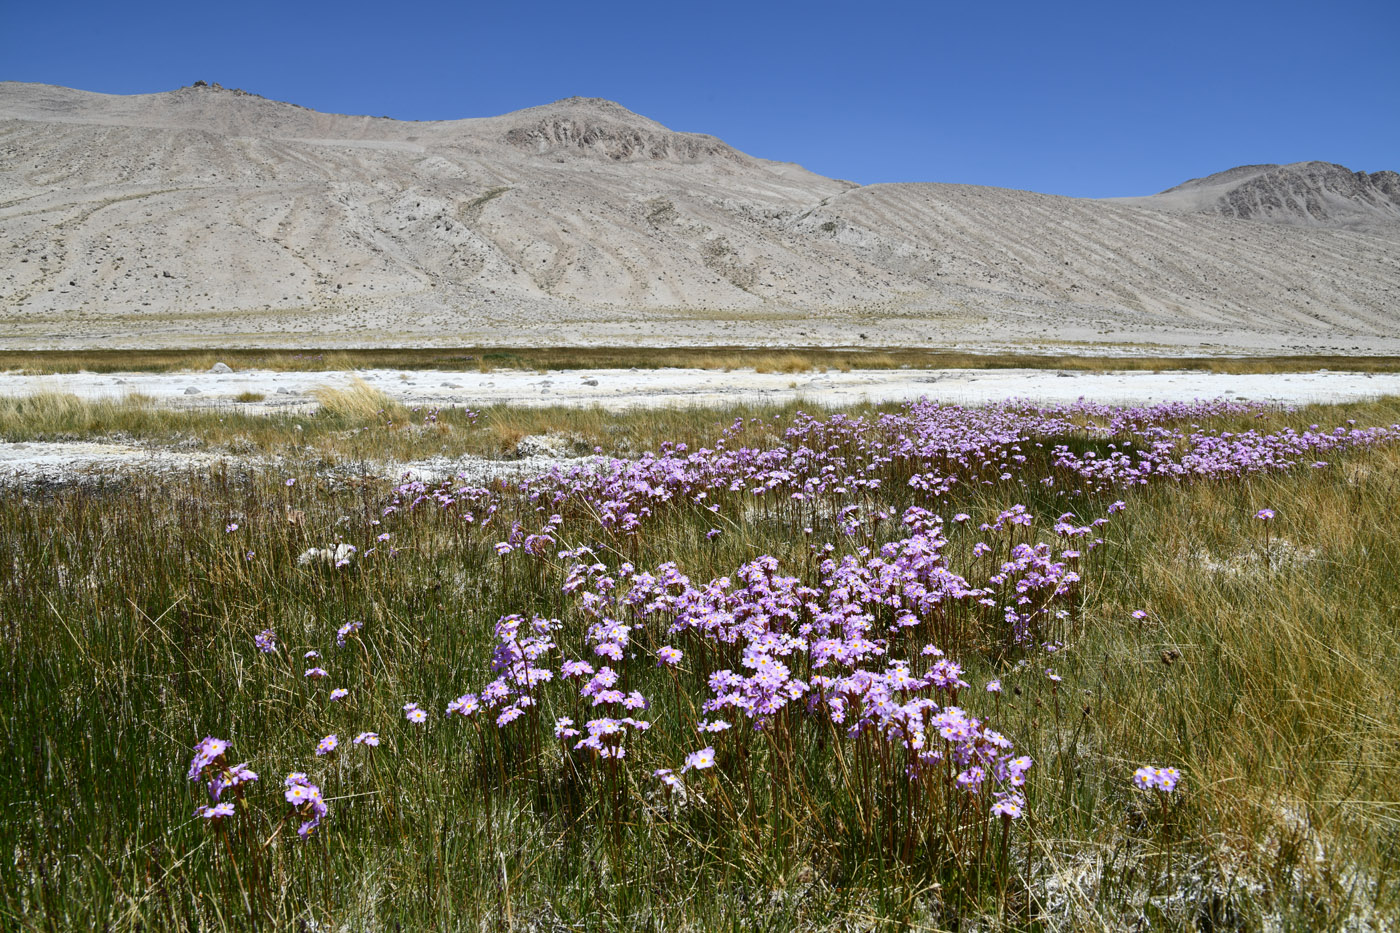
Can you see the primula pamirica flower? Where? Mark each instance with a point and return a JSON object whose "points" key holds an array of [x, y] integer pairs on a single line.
{"points": [[1009, 806], [414, 713], [367, 738], [218, 811], [464, 705], [347, 630], [232, 527], [994, 686], [1162, 779], [668, 656], [328, 744], [339, 693], [228, 778], [564, 728], [209, 752], [316, 673], [1264, 514], [306, 800], [705, 758], [266, 641]]}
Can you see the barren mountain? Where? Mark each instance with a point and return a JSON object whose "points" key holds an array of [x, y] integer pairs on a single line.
{"points": [[206, 215], [1305, 194]]}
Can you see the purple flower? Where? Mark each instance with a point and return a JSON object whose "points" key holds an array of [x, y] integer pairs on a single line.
{"points": [[346, 630], [305, 797], [370, 739], [218, 811], [316, 673], [208, 752], [464, 705], [339, 693], [668, 656], [414, 714], [327, 745], [266, 641], [705, 758], [1009, 806], [1162, 779], [564, 728], [232, 527], [1264, 514], [994, 686]]}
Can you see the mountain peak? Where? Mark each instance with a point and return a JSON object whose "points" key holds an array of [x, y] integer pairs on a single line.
{"points": [[1301, 194]]}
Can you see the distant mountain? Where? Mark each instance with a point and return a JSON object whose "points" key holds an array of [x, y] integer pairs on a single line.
{"points": [[1304, 194], [207, 215]]}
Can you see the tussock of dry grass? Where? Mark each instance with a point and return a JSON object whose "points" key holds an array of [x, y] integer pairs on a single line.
{"points": [[358, 402]]}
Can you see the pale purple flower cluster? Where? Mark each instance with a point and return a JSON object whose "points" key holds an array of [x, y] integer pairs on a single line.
{"points": [[306, 801], [1161, 779], [850, 642], [209, 764]]}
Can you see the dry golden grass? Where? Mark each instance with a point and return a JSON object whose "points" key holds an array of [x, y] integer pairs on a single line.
{"points": [[797, 359], [358, 402]]}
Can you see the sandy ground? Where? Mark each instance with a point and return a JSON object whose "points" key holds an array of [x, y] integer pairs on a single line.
{"points": [[37, 463]]}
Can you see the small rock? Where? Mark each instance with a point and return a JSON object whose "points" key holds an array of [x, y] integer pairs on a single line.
{"points": [[220, 368], [283, 390], [590, 382], [191, 391]]}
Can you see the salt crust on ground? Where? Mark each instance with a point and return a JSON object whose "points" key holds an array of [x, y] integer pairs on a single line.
{"points": [[615, 390]]}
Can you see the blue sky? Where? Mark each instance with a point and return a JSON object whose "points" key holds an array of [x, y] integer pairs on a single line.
{"points": [[1087, 99]]}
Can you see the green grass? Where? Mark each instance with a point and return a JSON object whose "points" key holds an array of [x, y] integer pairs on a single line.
{"points": [[717, 358], [128, 614], [359, 423]]}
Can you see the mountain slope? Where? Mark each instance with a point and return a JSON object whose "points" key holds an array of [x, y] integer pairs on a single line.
{"points": [[1305, 194], [210, 215]]}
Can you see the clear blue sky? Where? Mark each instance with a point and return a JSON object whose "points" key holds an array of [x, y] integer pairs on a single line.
{"points": [[1087, 99]]}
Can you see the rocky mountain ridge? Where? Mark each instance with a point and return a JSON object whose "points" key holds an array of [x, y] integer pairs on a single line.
{"points": [[1305, 194]]}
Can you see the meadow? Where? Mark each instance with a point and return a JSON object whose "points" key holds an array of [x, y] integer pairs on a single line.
{"points": [[916, 667]]}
